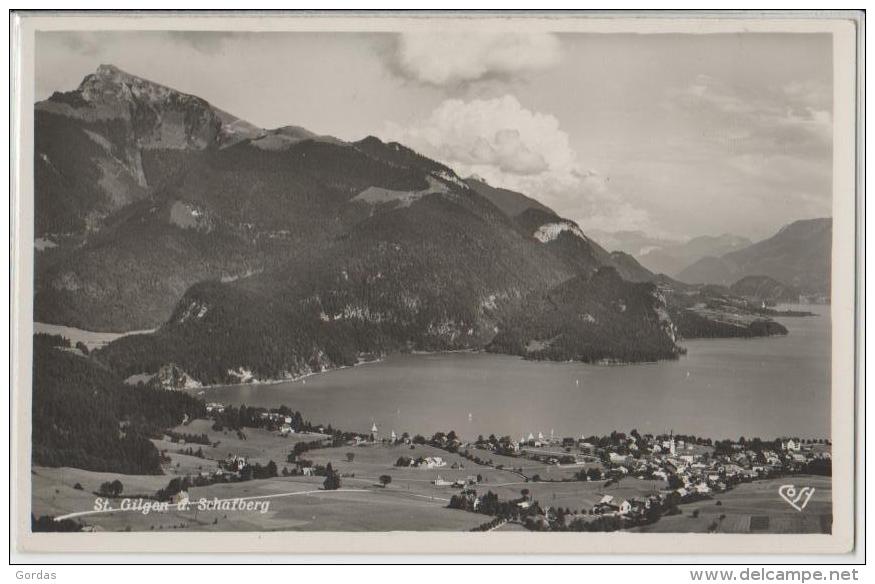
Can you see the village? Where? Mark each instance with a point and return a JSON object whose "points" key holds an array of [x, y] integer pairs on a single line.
{"points": [[613, 482]]}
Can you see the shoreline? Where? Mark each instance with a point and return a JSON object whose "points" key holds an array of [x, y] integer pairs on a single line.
{"points": [[199, 390]]}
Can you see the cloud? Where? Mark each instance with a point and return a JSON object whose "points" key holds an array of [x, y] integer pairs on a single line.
{"points": [[80, 42], [791, 120], [206, 42], [513, 147], [453, 58]]}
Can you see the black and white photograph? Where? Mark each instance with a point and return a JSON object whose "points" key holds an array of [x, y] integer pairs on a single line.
{"points": [[431, 274]]}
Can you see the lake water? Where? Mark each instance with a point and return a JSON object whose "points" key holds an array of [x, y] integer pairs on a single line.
{"points": [[722, 388]]}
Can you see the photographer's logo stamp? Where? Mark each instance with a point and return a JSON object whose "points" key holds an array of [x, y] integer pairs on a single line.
{"points": [[797, 499]]}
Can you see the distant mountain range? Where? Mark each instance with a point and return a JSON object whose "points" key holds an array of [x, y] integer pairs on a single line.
{"points": [[271, 253], [672, 259], [798, 256]]}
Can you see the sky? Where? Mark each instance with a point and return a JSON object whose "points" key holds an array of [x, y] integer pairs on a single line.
{"points": [[673, 135]]}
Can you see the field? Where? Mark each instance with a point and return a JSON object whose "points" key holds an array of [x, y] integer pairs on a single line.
{"points": [[755, 508], [92, 340], [411, 501]]}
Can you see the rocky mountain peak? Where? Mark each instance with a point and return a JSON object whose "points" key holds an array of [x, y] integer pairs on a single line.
{"points": [[161, 117], [111, 83]]}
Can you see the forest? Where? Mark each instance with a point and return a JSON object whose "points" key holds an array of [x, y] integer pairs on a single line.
{"points": [[84, 416]]}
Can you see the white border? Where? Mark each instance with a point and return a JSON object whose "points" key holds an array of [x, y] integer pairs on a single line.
{"points": [[844, 245]]}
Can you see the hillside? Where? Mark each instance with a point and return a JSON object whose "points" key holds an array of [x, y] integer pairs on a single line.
{"points": [[765, 289], [85, 417], [798, 255], [510, 202], [601, 318]]}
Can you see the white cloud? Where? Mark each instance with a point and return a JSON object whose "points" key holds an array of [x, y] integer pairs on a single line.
{"points": [[513, 147], [794, 119], [450, 58]]}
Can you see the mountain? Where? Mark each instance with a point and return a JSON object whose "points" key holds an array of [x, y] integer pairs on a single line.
{"points": [[601, 318], [510, 202], [765, 289], [799, 255], [665, 255], [271, 253], [672, 258], [430, 269], [90, 143], [142, 192], [563, 237]]}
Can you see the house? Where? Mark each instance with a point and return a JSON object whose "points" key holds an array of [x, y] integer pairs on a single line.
{"points": [[432, 462], [180, 498], [638, 507], [235, 462], [625, 507], [617, 458], [309, 471], [605, 507], [791, 445], [285, 430], [587, 448], [215, 407], [439, 482]]}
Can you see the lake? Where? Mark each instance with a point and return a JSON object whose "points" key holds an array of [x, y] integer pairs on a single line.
{"points": [[722, 388]]}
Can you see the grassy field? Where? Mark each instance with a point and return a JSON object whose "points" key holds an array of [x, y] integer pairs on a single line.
{"points": [[411, 501], [755, 508]]}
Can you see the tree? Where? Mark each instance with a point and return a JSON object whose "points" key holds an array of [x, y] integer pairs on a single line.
{"points": [[675, 482], [350, 456], [117, 487], [332, 479], [385, 480]]}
